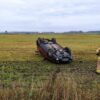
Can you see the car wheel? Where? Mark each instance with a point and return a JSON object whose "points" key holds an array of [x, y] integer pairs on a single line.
{"points": [[53, 40], [67, 50]]}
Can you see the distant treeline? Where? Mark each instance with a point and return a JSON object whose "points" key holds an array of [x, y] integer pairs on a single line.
{"points": [[70, 32]]}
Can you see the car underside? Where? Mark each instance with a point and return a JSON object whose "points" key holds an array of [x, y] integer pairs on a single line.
{"points": [[52, 51]]}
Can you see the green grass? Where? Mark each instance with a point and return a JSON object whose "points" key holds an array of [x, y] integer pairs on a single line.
{"points": [[21, 69]]}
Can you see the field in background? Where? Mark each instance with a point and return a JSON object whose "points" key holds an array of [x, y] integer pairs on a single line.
{"points": [[26, 75]]}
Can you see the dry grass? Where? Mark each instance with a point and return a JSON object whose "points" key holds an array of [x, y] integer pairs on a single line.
{"points": [[63, 87], [26, 76]]}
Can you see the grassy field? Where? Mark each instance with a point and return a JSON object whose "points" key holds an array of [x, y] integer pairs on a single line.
{"points": [[26, 76]]}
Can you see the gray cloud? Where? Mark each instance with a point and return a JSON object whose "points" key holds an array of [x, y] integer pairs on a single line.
{"points": [[49, 15]]}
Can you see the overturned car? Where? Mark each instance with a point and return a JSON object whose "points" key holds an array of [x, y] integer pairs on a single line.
{"points": [[52, 51]]}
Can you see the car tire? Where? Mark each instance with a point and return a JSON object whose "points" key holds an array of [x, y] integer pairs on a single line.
{"points": [[67, 50], [53, 40]]}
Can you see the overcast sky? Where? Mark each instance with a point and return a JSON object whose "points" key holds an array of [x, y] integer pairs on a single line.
{"points": [[49, 15]]}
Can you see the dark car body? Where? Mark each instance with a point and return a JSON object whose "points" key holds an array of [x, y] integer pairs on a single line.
{"points": [[52, 51]]}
